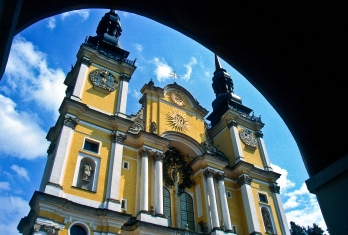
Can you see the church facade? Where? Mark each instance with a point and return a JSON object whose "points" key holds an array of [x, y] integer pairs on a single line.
{"points": [[161, 171]]}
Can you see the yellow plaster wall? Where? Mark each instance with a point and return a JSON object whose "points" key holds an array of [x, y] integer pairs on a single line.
{"points": [[77, 144], [239, 214], [223, 143], [199, 180], [98, 99]]}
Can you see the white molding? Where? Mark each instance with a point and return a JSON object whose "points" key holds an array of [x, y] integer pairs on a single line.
{"points": [[128, 165], [82, 224], [81, 122], [198, 200], [83, 201]]}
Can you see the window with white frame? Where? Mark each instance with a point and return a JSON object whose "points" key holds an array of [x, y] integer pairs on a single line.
{"points": [[77, 230], [263, 198], [228, 194], [234, 229], [91, 145], [187, 213], [126, 165]]}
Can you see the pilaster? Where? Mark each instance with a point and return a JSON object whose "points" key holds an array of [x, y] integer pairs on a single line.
{"points": [[81, 79], [275, 189], [244, 181], [224, 205], [237, 147], [113, 200], [263, 151], [54, 185]]}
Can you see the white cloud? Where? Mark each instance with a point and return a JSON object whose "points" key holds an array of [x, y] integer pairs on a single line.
{"points": [[83, 13], [20, 135], [207, 73], [29, 76], [283, 181], [138, 47], [51, 22], [189, 67], [21, 172], [136, 94], [162, 70], [5, 186], [12, 210], [300, 205], [303, 209]]}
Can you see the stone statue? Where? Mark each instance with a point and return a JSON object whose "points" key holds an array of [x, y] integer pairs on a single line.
{"points": [[153, 127], [87, 169]]}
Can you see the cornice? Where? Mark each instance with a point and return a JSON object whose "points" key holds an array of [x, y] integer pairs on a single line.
{"points": [[254, 172], [145, 138], [207, 160]]}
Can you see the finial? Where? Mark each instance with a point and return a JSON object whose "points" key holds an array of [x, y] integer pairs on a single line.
{"points": [[217, 63]]}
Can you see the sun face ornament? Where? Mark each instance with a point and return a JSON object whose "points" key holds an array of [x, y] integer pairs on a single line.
{"points": [[178, 120], [177, 98]]}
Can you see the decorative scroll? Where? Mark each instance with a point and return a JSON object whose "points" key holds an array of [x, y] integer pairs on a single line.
{"points": [[70, 121], [118, 137], [248, 138], [274, 187]]}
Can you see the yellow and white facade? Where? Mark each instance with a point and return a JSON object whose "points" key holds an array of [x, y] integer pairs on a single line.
{"points": [[161, 171]]}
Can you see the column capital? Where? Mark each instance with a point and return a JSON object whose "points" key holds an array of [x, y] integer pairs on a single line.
{"points": [[232, 123], [118, 137], [274, 188], [159, 156], [144, 152], [125, 77], [70, 121], [220, 176], [86, 61], [259, 134], [209, 173], [244, 179]]}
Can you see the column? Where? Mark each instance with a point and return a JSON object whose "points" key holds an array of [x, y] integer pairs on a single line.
{"points": [[144, 190], [237, 147], [123, 93], [159, 183], [115, 171], [225, 211], [244, 182], [81, 78], [212, 198], [263, 151], [279, 208], [54, 185]]}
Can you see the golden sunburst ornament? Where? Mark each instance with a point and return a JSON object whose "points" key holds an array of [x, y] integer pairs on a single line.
{"points": [[177, 98], [178, 120]]}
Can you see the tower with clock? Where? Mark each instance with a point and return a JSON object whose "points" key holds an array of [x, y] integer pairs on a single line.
{"points": [[163, 170]]}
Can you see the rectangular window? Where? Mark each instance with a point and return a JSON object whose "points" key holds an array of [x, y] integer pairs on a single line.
{"points": [[124, 204], [263, 198], [126, 165], [234, 229], [91, 146], [229, 194]]}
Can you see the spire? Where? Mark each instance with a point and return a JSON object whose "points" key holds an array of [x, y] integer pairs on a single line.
{"points": [[217, 63], [108, 33], [222, 82]]}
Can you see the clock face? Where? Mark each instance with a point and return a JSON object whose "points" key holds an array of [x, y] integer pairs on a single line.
{"points": [[102, 78], [177, 98], [248, 138]]}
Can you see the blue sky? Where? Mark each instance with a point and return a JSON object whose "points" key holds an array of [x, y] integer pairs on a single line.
{"points": [[32, 89]]}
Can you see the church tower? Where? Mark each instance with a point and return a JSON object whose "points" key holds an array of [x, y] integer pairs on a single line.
{"points": [[163, 170]]}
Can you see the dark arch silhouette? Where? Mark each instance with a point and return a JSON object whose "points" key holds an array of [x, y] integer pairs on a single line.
{"points": [[293, 54]]}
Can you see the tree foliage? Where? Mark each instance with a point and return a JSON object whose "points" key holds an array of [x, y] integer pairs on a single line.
{"points": [[298, 230]]}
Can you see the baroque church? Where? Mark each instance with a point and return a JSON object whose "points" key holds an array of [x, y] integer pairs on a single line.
{"points": [[164, 170]]}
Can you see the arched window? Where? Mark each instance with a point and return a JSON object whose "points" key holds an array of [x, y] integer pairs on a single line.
{"points": [[77, 230], [166, 205], [86, 174], [187, 214], [267, 221]]}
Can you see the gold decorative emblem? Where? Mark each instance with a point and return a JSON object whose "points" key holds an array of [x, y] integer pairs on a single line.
{"points": [[177, 98], [178, 120], [248, 138]]}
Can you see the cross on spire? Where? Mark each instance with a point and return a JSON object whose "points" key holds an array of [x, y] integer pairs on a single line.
{"points": [[174, 75]]}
